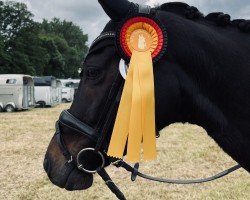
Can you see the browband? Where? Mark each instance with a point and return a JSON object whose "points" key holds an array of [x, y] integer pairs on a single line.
{"points": [[103, 36], [94, 47]]}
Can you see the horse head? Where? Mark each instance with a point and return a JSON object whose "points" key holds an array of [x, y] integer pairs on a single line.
{"points": [[197, 79]]}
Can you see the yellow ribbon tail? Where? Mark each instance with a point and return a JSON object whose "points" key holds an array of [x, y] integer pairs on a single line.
{"points": [[135, 121], [148, 99], [120, 131]]}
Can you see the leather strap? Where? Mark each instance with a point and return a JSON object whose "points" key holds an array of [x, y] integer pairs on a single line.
{"points": [[62, 145], [135, 172], [111, 185], [72, 122]]}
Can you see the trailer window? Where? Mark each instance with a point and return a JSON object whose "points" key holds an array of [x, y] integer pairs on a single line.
{"points": [[69, 84], [25, 81], [11, 81]]}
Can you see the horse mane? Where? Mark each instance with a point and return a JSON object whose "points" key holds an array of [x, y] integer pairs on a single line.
{"points": [[216, 18]]}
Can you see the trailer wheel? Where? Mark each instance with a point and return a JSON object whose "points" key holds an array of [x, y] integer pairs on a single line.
{"points": [[64, 101], [1, 109], [9, 108], [42, 104]]}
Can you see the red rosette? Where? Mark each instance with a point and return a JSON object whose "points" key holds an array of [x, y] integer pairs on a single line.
{"points": [[148, 21]]}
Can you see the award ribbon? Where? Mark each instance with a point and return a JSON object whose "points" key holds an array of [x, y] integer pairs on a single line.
{"points": [[135, 120]]}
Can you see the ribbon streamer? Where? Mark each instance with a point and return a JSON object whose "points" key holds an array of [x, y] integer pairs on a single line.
{"points": [[135, 123]]}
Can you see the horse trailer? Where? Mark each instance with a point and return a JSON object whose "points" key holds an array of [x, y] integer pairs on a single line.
{"points": [[1, 107], [45, 91], [68, 90], [16, 92], [76, 85], [58, 91]]}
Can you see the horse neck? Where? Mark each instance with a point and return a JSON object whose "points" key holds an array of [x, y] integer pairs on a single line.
{"points": [[210, 75], [216, 61]]}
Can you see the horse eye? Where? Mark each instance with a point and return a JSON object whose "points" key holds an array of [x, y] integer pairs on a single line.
{"points": [[92, 73]]}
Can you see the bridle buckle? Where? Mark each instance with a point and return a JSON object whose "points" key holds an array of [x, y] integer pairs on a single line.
{"points": [[70, 160]]}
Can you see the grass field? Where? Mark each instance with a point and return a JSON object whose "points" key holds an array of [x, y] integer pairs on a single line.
{"points": [[185, 151]]}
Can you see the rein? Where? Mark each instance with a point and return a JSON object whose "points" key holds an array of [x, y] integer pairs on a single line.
{"points": [[99, 136], [68, 120]]}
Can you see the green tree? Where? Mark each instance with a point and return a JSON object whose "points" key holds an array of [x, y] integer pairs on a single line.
{"points": [[49, 48], [56, 62], [72, 33], [4, 58], [21, 48], [70, 43], [27, 51], [14, 16]]}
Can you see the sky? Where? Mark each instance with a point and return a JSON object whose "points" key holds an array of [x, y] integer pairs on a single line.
{"points": [[89, 15]]}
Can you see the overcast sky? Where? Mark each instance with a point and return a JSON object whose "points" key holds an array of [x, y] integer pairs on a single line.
{"points": [[91, 18]]}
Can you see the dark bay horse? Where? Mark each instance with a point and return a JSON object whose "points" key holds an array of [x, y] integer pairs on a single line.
{"points": [[203, 78]]}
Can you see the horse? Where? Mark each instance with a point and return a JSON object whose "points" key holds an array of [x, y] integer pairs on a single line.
{"points": [[201, 78]]}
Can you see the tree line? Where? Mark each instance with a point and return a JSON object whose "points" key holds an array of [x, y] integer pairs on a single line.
{"points": [[53, 47]]}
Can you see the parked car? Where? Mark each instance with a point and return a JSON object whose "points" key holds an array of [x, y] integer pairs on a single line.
{"points": [[45, 91], [16, 92]]}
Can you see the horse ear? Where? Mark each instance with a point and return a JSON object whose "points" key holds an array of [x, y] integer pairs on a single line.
{"points": [[116, 9]]}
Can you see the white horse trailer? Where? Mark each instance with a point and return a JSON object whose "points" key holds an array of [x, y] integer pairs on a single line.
{"points": [[68, 90], [16, 92], [76, 85], [1, 107], [59, 91], [45, 91]]}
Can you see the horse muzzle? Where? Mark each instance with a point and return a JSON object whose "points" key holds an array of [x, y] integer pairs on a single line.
{"points": [[67, 176]]}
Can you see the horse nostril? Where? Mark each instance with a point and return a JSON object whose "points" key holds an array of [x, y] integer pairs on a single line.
{"points": [[46, 164]]}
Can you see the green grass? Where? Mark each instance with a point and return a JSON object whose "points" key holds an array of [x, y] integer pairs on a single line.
{"points": [[185, 151]]}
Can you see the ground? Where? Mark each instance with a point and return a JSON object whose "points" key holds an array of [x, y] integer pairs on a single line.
{"points": [[185, 151]]}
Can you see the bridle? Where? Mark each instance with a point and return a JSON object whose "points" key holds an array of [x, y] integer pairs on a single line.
{"points": [[99, 137]]}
